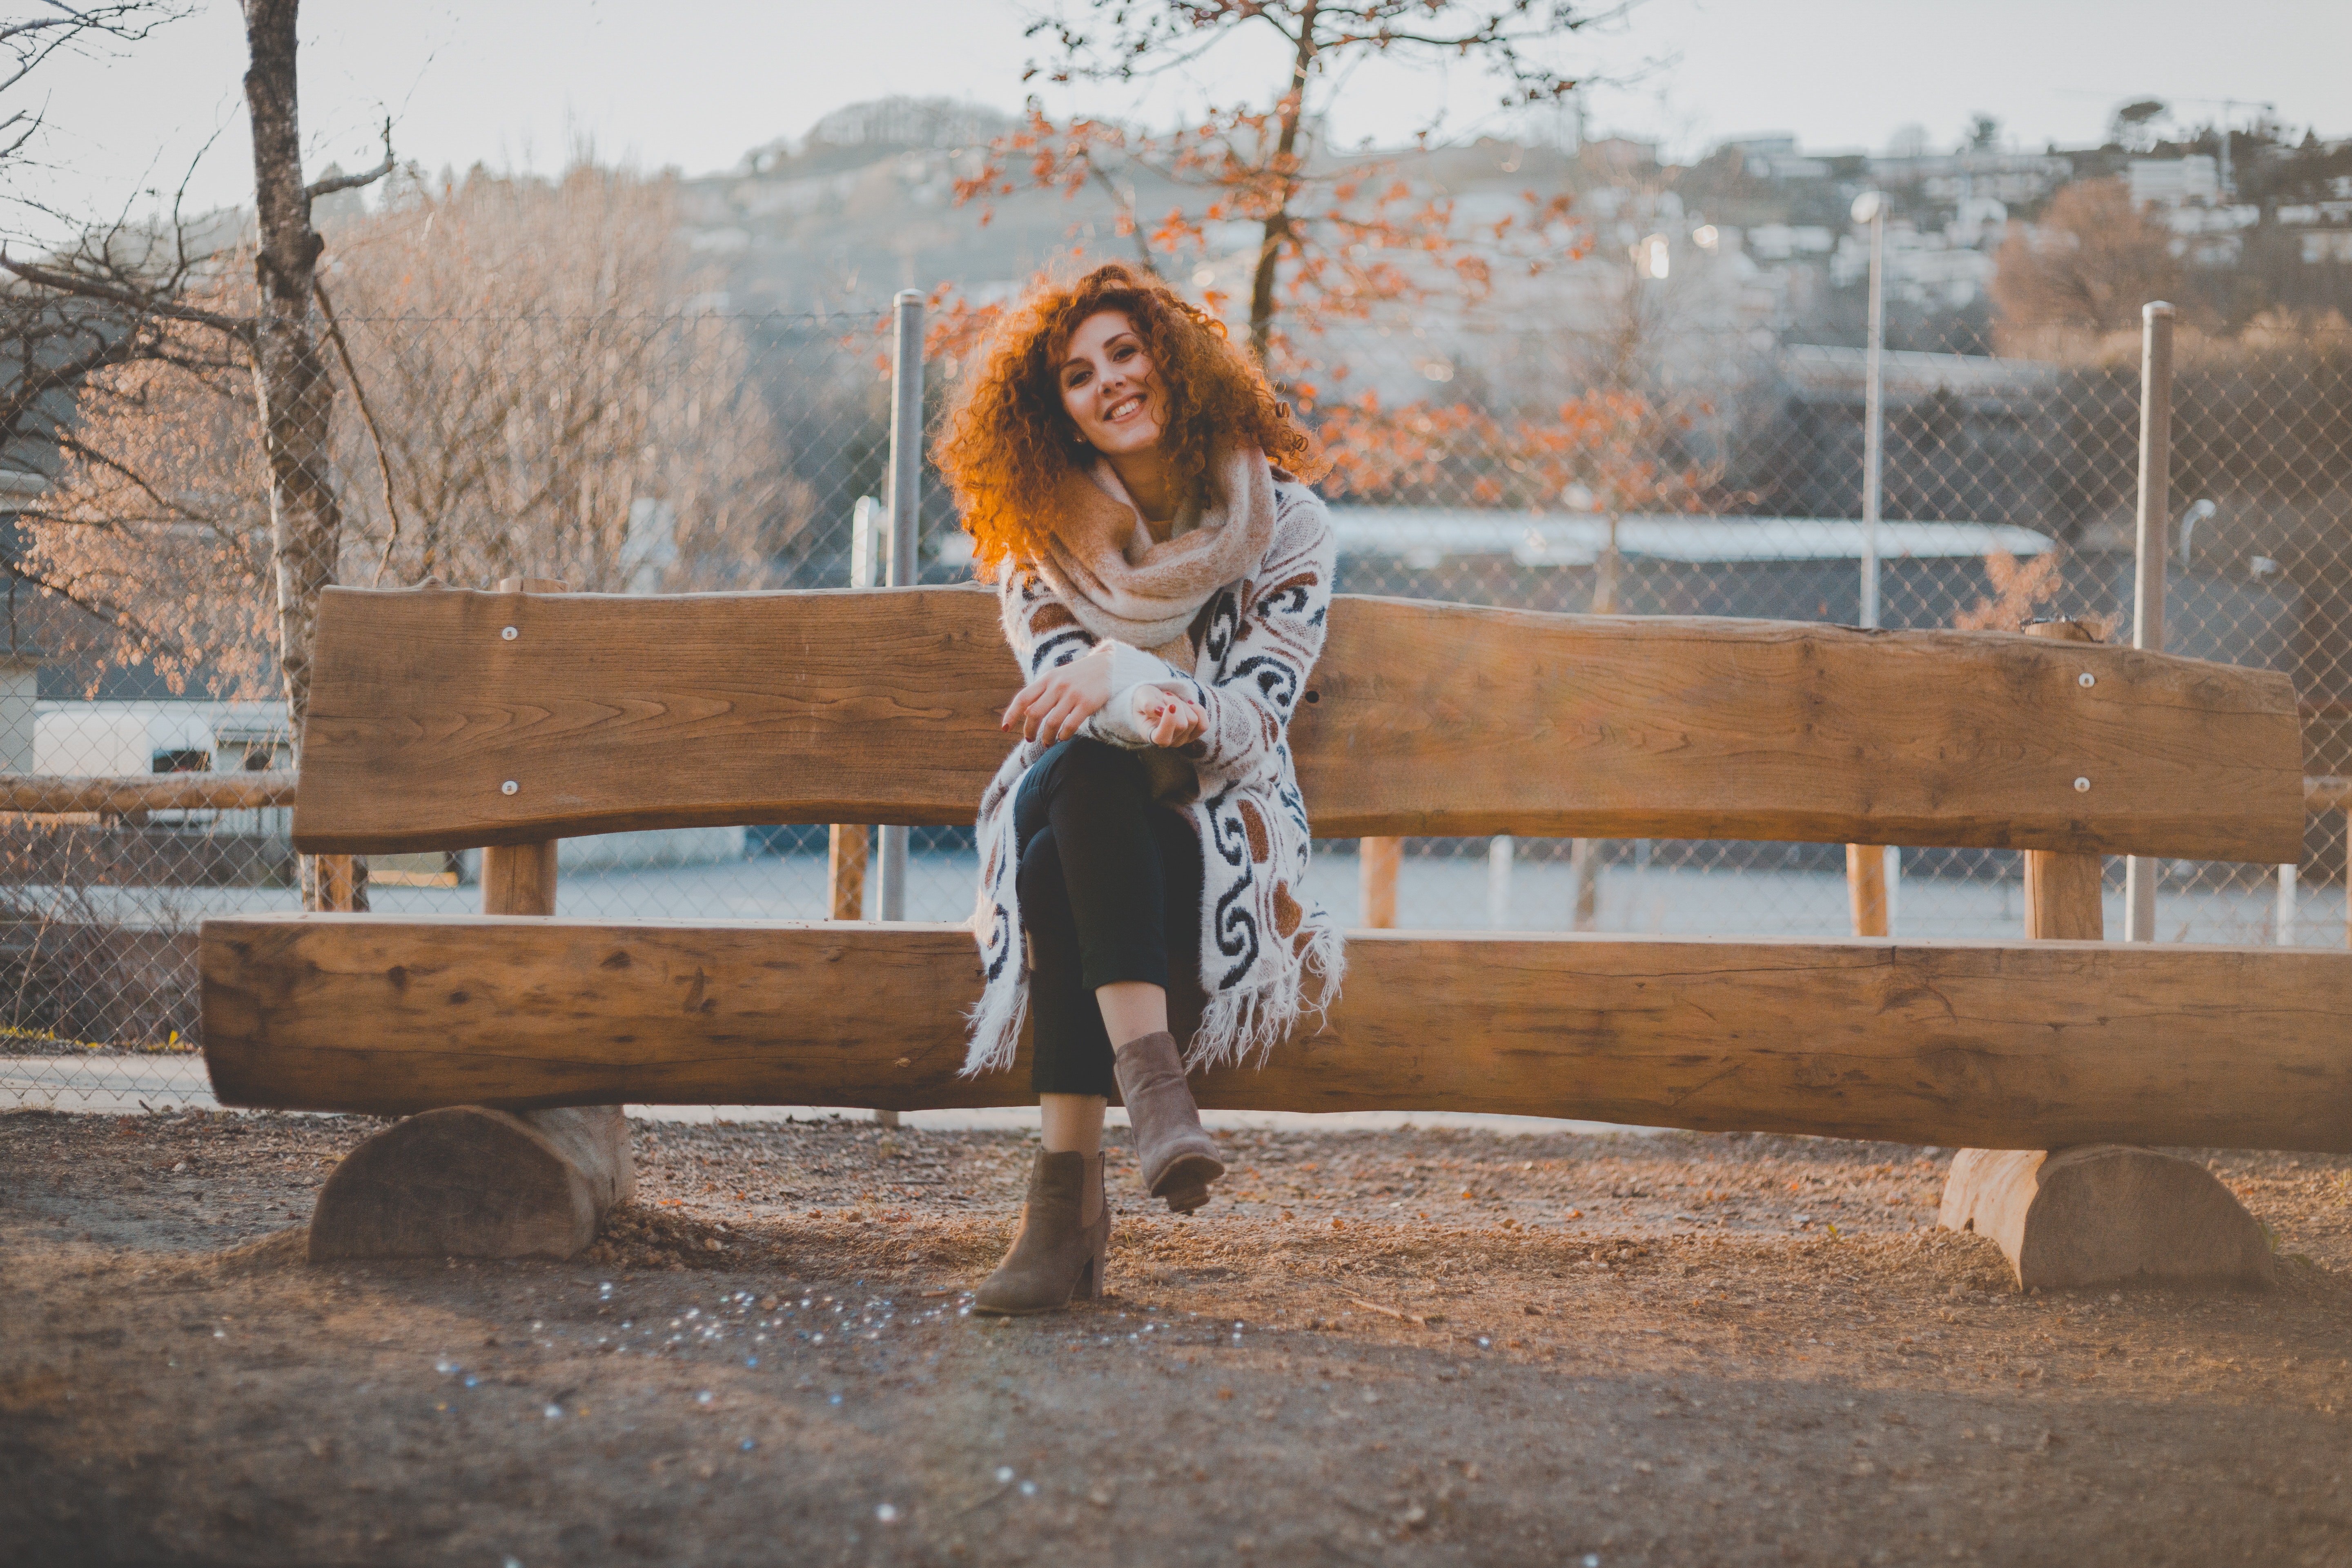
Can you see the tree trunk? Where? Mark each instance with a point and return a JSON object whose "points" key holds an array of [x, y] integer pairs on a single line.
{"points": [[1277, 224], [297, 400]]}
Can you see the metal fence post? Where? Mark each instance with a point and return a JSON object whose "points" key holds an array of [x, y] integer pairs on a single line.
{"points": [[1866, 864], [1499, 852], [903, 499], [1873, 408], [2154, 525]]}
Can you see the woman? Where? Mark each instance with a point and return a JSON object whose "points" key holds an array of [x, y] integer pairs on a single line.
{"points": [[1163, 583]]}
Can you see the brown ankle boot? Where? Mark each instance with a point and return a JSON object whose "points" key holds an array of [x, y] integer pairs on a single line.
{"points": [[1058, 1251], [1179, 1159]]}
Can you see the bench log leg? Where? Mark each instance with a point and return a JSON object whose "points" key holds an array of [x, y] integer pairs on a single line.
{"points": [[2106, 1213], [466, 1181], [2102, 1214], [469, 1181]]}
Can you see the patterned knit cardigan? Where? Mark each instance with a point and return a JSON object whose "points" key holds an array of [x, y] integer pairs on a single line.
{"points": [[1254, 642]]}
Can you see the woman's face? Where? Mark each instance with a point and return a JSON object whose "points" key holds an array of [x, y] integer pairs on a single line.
{"points": [[1108, 388]]}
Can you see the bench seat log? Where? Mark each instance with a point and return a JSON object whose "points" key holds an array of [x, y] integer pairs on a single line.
{"points": [[608, 713], [1997, 1045]]}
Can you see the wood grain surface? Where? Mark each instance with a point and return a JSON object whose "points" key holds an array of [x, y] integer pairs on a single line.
{"points": [[880, 705], [1865, 888], [2065, 897], [519, 879], [2021, 1046], [2064, 901]]}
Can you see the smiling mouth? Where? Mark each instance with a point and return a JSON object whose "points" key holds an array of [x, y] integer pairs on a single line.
{"points": [[1122, 408]]}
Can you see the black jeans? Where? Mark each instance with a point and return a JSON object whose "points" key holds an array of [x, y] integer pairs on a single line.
{"points": [[1109, 883]]}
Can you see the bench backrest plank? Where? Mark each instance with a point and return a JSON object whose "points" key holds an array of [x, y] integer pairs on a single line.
{"points": [[610, 714]]}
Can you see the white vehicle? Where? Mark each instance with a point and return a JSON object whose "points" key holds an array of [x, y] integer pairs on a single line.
{"points": [[116, 740]]}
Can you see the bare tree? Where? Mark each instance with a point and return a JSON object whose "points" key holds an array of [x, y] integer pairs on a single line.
{"points": [[293, 392], [297, 396], [2088, 267], [48, 347], [532, 399], [52, 28], [545, 399], [156, 521], [294, 395]]}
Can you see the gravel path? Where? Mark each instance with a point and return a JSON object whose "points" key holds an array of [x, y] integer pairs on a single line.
{"points": [[1441, 1346]]}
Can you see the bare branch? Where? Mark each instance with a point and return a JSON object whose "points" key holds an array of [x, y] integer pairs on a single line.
{"points": [[33, 39], [127, 296], [330, 185], [367, 418]]}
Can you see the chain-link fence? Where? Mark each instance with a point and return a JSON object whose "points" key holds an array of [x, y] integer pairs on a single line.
{"points": [[1720, 476]]}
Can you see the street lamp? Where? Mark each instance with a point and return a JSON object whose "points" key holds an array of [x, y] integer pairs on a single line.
{"points": [[1870, 207]]}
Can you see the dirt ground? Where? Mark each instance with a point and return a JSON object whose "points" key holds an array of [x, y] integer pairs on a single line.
{"points": [[1375, 1348]]}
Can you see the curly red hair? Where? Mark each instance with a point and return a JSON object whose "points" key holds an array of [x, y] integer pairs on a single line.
{"points": [[1009, 441]]}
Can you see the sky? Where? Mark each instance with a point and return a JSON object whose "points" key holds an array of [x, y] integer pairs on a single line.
{"points": [[693, 84]]}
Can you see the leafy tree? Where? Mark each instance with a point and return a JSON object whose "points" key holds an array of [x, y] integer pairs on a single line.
{"points": [[1338, 238]]}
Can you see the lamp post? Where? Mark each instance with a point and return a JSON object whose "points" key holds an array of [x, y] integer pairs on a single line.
{"points": [[1870, 207]]}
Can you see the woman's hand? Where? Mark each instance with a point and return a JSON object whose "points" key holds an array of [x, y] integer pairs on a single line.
{"points": [[1052, 706], [1174, 720]]}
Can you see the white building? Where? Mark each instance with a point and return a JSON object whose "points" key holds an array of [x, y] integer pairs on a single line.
{"points": [[2195, 180]]}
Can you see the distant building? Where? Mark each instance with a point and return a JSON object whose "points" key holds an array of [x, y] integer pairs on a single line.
{"points": [[2174, 182], [2014, 179]]}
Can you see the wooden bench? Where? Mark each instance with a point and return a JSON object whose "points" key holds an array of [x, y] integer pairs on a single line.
{"points": [[443, 719]]}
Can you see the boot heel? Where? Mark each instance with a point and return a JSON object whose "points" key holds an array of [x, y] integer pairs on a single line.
{"points": [[1091, 1286], [1185, 1183]]}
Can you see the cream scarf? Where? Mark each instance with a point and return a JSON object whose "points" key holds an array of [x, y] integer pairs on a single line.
{"points": [[1123, 585]]}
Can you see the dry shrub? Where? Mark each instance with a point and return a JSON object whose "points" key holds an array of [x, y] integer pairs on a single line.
{"points": [[159, 525], [2084, 271], [537, 376], [540, 372]]}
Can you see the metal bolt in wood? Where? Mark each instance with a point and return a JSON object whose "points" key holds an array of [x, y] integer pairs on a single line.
{"points": [[2063, 898]]}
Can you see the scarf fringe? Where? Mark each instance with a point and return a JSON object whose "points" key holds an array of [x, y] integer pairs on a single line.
{"points": [[996, 1020], [1238, 1027]]}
